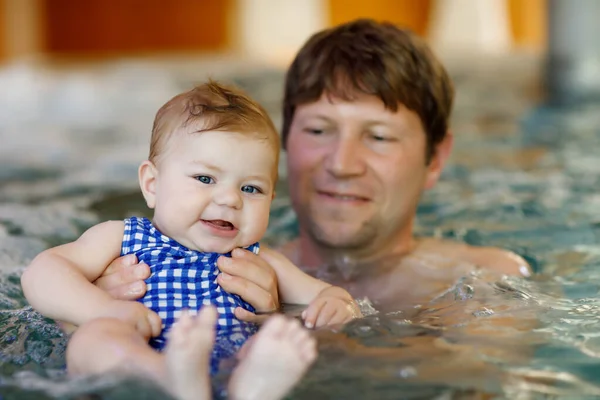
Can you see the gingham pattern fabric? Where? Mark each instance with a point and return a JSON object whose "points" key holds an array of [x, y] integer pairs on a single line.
{"points": [[185, 279]]}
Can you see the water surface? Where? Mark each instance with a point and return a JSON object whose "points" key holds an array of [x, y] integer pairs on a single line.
{"points": [[522, 177]]}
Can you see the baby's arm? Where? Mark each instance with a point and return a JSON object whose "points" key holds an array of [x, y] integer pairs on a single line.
{"points": [[328, 304], [57, 283], [332, 305], [295, 286]]}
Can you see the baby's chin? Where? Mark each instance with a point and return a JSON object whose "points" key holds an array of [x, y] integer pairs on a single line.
{"points": [[223, 248], [214, 244]]}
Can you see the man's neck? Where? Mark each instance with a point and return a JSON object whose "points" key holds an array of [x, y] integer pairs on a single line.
{"points": [[310, 255]]}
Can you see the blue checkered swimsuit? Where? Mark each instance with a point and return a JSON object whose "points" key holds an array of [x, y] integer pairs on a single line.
{"points": [[185, 279]]}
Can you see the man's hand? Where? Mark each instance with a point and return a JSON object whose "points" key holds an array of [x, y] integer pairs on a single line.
{"points": [[124, 278], [253, 279], [145, 321], [244, 274]]}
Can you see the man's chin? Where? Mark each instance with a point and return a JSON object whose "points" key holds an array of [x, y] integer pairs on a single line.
{"points": [[338, 236]]}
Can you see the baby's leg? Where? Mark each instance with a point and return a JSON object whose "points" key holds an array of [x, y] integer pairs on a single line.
{"points": [[188, 352], [108, 344], [275, 360]]}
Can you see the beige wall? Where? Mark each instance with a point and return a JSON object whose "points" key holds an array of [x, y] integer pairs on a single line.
{"points": [[413, 14], [274, 30]]}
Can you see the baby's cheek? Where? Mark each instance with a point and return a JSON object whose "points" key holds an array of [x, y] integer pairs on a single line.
{"points": [[260, 221], [252, 231]]}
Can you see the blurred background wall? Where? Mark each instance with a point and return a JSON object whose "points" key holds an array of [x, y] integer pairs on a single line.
{"points": [[268, 30]]}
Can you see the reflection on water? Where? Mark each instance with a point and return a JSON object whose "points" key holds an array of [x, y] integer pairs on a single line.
{"points": [[519, 178]]}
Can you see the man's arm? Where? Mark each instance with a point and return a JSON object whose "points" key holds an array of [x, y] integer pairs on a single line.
{"points": [[57, 282], [499, 260], [327, 304]]}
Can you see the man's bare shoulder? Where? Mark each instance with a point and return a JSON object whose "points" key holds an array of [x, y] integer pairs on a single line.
{"points": [[493, 258]]}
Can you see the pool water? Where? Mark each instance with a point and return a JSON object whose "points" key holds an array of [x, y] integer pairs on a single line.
{"points": [[523, 176]]}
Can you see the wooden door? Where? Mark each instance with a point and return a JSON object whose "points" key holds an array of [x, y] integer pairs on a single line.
{"points": [[529, 23], [3, 38], [86, 27], [411, 14]]}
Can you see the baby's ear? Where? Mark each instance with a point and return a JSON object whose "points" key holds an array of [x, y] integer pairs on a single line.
{"points": [[147, 174], [273, 195]]}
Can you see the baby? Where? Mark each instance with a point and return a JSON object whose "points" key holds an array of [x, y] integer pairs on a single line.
{"points": [[210, 178]]}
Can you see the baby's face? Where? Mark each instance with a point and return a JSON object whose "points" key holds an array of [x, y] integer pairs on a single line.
{"points": [[214, 190]]}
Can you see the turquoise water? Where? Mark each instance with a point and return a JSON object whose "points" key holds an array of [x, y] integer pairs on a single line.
{"points": [[522, 176]]}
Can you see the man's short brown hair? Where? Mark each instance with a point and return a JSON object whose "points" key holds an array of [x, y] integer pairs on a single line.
{"points": [[375, 58], [212, 107]]}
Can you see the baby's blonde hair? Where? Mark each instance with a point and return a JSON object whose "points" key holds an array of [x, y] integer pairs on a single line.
{"points": [[212, 107]]}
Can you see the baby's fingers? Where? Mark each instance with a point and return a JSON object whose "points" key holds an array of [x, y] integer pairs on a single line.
{"points": [[349, 312], [326, 315], [311, 313]]}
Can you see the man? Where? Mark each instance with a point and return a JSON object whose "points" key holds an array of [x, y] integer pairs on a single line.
{"points": [[365, 127]]}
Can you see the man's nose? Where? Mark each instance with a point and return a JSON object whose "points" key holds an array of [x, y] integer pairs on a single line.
{"points": [[228, 196], [345, 158]]}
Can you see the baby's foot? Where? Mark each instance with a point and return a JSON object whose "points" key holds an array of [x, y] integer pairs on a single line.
{"points": [[187, 355], [277, 358]]}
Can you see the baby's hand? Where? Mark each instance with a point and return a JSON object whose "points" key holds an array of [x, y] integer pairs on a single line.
{"points": [[146, 321], [329, 310]]}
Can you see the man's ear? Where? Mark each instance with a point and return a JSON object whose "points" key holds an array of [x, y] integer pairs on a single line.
{"points": [[438, 160], [147, 174]]}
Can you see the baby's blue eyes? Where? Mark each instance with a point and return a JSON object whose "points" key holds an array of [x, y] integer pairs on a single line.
{"points": [[207, 180], [251, 189]]}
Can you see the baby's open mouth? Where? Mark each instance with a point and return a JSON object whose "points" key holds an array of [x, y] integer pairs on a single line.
{"points": [[219, 224]]}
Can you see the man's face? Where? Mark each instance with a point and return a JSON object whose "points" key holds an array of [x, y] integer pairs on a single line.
{"points": [[356, 171]]}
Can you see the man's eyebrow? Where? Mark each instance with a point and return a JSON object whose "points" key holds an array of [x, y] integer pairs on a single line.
{"points": [[370, 122], [318, 116], [375, 122]]}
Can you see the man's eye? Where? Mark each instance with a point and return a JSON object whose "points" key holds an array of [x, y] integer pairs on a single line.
{"points": [[381, 138], [251, 189], [204, 179], [314, 131]]}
